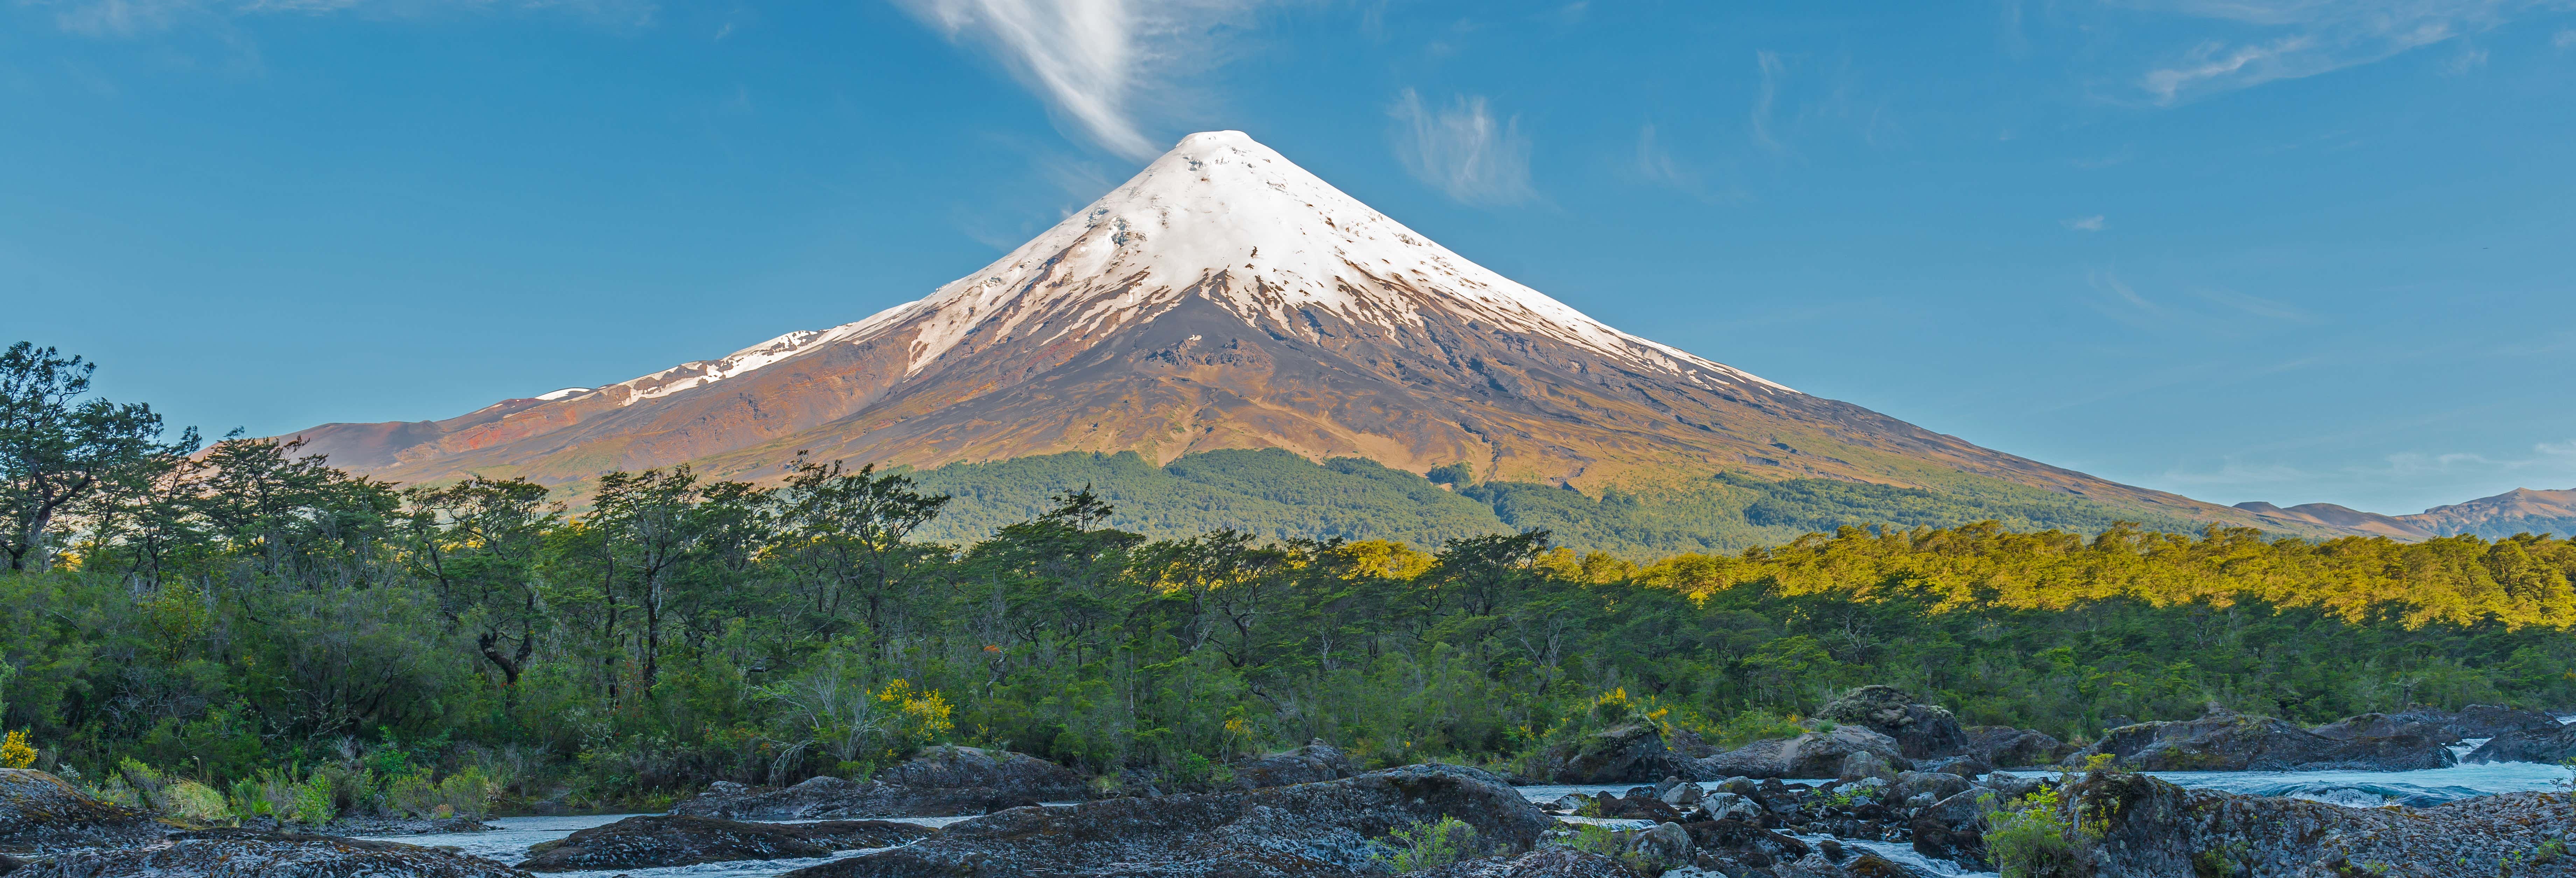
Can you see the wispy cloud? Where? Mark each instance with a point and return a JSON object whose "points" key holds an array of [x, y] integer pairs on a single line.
{"points": [[1105, 65], [1463, 150], [127, 18], [1765, 99], [1655, 163], [2085, 223], [2565, 39], [2292, 39]]}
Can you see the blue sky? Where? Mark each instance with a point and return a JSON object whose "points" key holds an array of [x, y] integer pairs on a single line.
{"points": [[2289, 250]]}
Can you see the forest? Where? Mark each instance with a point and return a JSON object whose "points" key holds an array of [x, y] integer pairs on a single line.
{"points": [[247, 617]]}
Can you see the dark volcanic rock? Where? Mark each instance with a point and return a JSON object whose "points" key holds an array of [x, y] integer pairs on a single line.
{"points": [[648, 842], [2241, 742], [2008, 747], [938, 782], [969, 767], [1811, 755], [10, 864], [1314, 829], [375, 826], [2487, 721], [1552, 862], [39, 813], [236, 853], [1314, 762], [1921, 731], [1629, 753], [1955, 827], [2528, 745], [2143, 827]]}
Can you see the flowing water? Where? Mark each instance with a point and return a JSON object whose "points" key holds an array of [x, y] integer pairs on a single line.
{"points": [[509, 839]]}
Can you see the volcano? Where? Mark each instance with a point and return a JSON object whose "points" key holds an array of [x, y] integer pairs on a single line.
{"points": [[1224, 298]]}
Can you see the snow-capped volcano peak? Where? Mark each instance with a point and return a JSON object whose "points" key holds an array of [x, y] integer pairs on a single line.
{"points": [[1227, 219]]}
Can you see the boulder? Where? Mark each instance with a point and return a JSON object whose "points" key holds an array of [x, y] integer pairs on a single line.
{"points": [[948, 767], [1638, 804], [2553, 745], [2487, 721], [653, 842], [1811, 755], [1863, 765], [937, 782], [1626, 753], [1312, 829], [39, 813], [1666, 846], [1317, 761], [237, 853], [2008, 747], [2143, 827], [1822, 754], [1921, 731], [1547, 862], [1682, 795], [1729, 806], [1936, 785], [1954, 828], [1957, 766], [2243, 742], [1746, 843]]}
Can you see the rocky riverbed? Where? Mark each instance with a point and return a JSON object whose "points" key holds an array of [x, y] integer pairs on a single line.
{"points": [[1908, 793]]}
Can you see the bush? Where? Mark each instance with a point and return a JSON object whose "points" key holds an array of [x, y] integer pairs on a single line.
{"points": [[413, 794], [196, 802], [15, 752], [2029, 839], [1431, 845], [468, 793]]}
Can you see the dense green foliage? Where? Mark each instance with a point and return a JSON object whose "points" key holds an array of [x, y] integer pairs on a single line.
{"points": [[1278, 494], [281, 635]]}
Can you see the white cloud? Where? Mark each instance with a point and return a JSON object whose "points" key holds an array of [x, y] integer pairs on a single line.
{"points": [[2292, 39], [1463, 150], [1105, 65], [2565, 39], [1769, 62], [126, 18], [2085, 223], [1655, 164]]}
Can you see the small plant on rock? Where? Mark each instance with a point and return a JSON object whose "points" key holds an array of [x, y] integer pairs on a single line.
{"points": [[15, 752], [2028, 840], [1431, 845]]}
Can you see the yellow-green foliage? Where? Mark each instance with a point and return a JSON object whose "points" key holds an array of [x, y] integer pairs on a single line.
{"points": [[2460, 580], [1431, 845], [2028, 840], [190, 800], [15, 752]]}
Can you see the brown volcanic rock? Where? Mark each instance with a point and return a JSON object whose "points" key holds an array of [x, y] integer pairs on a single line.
{"points": [[1223, 298]]}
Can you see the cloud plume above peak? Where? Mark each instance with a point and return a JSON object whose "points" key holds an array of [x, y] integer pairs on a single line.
{"points": [[1104, 65], [1463, 150], [2294, 39]]}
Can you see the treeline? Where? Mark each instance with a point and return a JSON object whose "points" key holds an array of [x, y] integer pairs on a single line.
{"points": [[249, 619], [1281, 495]]}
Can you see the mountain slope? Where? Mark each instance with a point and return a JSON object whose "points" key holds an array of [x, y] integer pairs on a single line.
{"points": [[2521, 510], [1223, 299]]}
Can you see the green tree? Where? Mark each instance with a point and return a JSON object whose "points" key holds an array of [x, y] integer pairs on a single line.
{"points": [[57, 448]]}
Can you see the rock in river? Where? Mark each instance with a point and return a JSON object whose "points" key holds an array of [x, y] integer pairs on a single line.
{"points": [[236, 853], [1317, 761], [1314, 829], [2529, 745], [2243, 742], [2137, 826], [1921, 731], [39, 813], [650, 842], [939, 782], [1629, 753], [1814, 754]]}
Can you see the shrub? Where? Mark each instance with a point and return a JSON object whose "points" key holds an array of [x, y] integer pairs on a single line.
{"points": [[15, 752], [2029, 839], [468, 793], [196, 802], [312, 801], [1431, 845], [413, 794]]}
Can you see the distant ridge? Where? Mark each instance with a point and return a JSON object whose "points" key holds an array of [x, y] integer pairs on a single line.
{"points": [[2519, 511]]}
